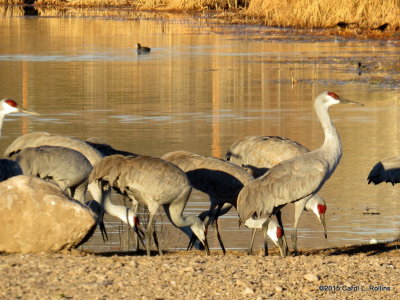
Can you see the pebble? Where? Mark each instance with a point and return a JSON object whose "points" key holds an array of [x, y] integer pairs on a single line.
{"points": [[278, 289], [248, 291], [311, 277]]}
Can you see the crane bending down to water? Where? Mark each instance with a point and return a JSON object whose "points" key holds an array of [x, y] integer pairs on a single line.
{"points": [[259, 154], [298, 178], [219, 179], [387, 170], [153, 182], [68, 168], [8, 106], [36, 139]]}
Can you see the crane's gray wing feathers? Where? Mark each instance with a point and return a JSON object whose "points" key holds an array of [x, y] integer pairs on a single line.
{"points": [[260, 153], [36, 139], [287, 182]]}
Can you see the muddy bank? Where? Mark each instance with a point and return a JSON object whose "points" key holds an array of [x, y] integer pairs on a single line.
{"points": [[354, 272]]}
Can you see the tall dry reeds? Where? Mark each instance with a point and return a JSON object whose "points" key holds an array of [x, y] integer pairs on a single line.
{"points": [[326, 13], [284, 13]]}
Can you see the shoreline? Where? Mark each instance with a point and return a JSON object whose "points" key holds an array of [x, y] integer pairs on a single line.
{"points": [[222, 17], [352, 272]]}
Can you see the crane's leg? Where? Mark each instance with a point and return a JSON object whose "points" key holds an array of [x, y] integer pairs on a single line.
{"points": [[265, 229], [285, 244], [216, 227], [135, 209], [156, 243], [298, 209], [149, 233], [253, 235]]}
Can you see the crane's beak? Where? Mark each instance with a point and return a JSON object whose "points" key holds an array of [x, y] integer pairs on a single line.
{"points": [[193, 239], [27, 111], [281, 246], [344, 101], [140, 233], [103, 230], [322, 220]]}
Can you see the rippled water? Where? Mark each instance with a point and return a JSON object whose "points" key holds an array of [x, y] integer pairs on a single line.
{"points": [[203, 86]]}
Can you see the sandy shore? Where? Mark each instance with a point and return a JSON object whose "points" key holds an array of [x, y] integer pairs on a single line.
{"points": [[354, 272]]}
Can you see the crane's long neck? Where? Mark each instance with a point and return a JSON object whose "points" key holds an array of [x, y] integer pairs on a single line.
{"points": [[1, 121], [121, 212], [175, 209], [332, 146]]}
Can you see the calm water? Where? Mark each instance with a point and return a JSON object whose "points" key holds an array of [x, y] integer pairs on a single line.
{"points": [[202, 87]]}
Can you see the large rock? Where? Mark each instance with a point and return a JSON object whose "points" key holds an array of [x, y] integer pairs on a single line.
{"points": [[35, 216]]}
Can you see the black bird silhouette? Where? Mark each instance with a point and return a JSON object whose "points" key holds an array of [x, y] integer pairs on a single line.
{"points": [[142, 50], [382, 27], [344, 25]]}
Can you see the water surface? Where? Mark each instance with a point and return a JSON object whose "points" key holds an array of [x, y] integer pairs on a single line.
{"points": [[203, 86]]}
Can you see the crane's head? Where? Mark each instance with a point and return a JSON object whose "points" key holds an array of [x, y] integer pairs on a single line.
{"points": [[275, 233], [199, 231], [8, 106], [318, 206], [330, 98]]}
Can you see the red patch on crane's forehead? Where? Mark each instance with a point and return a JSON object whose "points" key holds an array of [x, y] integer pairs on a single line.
{"points": [[321, 208], [333, 95], [11, 102], [279, 232]]}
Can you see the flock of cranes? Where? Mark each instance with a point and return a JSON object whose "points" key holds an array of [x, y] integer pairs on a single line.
{"points": [[258, 177]]}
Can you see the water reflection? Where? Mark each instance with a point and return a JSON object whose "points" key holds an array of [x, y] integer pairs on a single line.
{"points": [[202, 87]]}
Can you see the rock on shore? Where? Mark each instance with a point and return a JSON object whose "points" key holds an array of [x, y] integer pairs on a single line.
{"points": [[35, 216]]}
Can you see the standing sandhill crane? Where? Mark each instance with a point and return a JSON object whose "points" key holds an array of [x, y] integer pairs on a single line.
{"points": [[36, 139], [261, 153], [153, 182], [387, 170], [8, 106], [68, 168], [219, 179], [9, 168], [298, 178], [106, 149]]}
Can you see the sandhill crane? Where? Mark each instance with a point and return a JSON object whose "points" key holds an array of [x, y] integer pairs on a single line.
{"points": [[8, 106], [141, 49], [261, 153], [298, 178], [9, 168], [68, 168], [106, 149], [36, 139], [387, 170], [153, 182], [219, 179]]}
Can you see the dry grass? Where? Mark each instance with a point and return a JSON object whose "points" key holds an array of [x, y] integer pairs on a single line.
{"points": [[326, 13], [366, 14]]}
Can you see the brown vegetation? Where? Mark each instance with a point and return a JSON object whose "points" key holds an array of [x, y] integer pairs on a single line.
{"points": [[365, 14]]}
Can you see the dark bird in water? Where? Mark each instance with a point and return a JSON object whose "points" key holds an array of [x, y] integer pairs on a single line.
{"points": [[344, 25], [142, 50], [361, 68], [382, 27]]}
